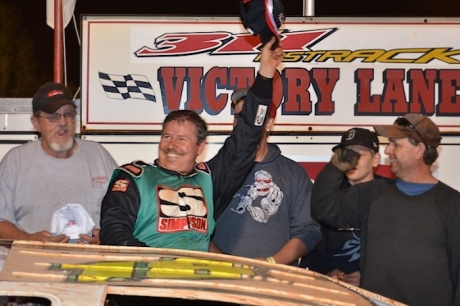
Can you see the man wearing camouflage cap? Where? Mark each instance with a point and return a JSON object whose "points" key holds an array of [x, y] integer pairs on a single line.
{"points": [[410, 226]]}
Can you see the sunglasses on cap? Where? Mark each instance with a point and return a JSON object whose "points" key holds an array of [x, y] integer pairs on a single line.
{"points": [[401, 121]]}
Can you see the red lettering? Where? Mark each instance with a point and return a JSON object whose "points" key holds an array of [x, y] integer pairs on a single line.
{"points": [[292, 85], [172, 224], [449, 85], [184, 44], [163, 225], [241, 77], [422, 90], [292, 41], [173, 44], [216, 78], [203, 224], [177, 224], [295, 41], [192, 221], [241, 44], [366, 104], [394, 98], [324, 81], [171, 83], [182, 224], [297, 99], [194, 77], [198, 224]]}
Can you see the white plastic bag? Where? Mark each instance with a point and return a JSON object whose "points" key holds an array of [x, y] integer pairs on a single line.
{"points": [[72, 220]]}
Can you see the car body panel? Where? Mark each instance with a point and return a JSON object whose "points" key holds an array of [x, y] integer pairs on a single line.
{"points": [[73, 271]]}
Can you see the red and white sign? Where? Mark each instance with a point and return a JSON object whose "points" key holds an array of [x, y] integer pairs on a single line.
{"points": [[336, 73]]}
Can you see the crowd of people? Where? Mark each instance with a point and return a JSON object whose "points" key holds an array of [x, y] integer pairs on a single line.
{"points": [[396, 237]]}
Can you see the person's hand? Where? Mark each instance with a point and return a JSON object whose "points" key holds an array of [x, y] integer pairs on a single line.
{"points": [[345, 159], [352, 278], [270, 59], [334, 273], [45, 236], [90, 239]]}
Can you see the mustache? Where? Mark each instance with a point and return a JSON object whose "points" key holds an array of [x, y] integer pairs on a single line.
{"points": [[63, 129], [174, 151]]}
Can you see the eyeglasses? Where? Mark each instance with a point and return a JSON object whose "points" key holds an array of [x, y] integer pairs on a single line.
{"points": [[56, 117], [401, 121]]}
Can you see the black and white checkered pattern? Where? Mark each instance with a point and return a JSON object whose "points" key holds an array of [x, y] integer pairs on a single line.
{"points": [[131, 86]]}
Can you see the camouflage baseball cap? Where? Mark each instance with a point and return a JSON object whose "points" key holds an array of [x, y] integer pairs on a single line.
{"points": [[416, 126]]}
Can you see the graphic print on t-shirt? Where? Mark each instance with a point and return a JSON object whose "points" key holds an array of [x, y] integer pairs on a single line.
{"points": [[267, 193], [351, 248], [183, 209]]}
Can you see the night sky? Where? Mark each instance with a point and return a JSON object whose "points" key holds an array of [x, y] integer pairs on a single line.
{"points": [[34, 17]]}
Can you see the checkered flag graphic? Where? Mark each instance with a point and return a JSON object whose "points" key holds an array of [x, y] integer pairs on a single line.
{"points": [[122, 87]]}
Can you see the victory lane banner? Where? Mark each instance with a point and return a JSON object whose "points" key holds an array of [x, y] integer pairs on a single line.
{"points": [[337, 73]]}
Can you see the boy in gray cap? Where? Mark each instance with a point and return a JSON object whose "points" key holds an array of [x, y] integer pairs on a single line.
{"points": [[410, 226]]}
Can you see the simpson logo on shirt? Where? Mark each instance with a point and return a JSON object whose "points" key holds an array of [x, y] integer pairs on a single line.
{"points": [[184, 209]]}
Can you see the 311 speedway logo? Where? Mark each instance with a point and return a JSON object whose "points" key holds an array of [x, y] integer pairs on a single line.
{"points": [[296, 44]]}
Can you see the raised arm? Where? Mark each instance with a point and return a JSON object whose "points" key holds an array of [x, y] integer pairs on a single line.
{"points": [[235, 159], [326, 198], [270, 59]]}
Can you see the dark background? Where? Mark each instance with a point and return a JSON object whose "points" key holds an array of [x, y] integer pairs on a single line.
{"points": [[33, 15]]}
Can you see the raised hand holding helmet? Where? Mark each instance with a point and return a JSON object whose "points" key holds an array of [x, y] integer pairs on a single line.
{"points": [[263, 18]]}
